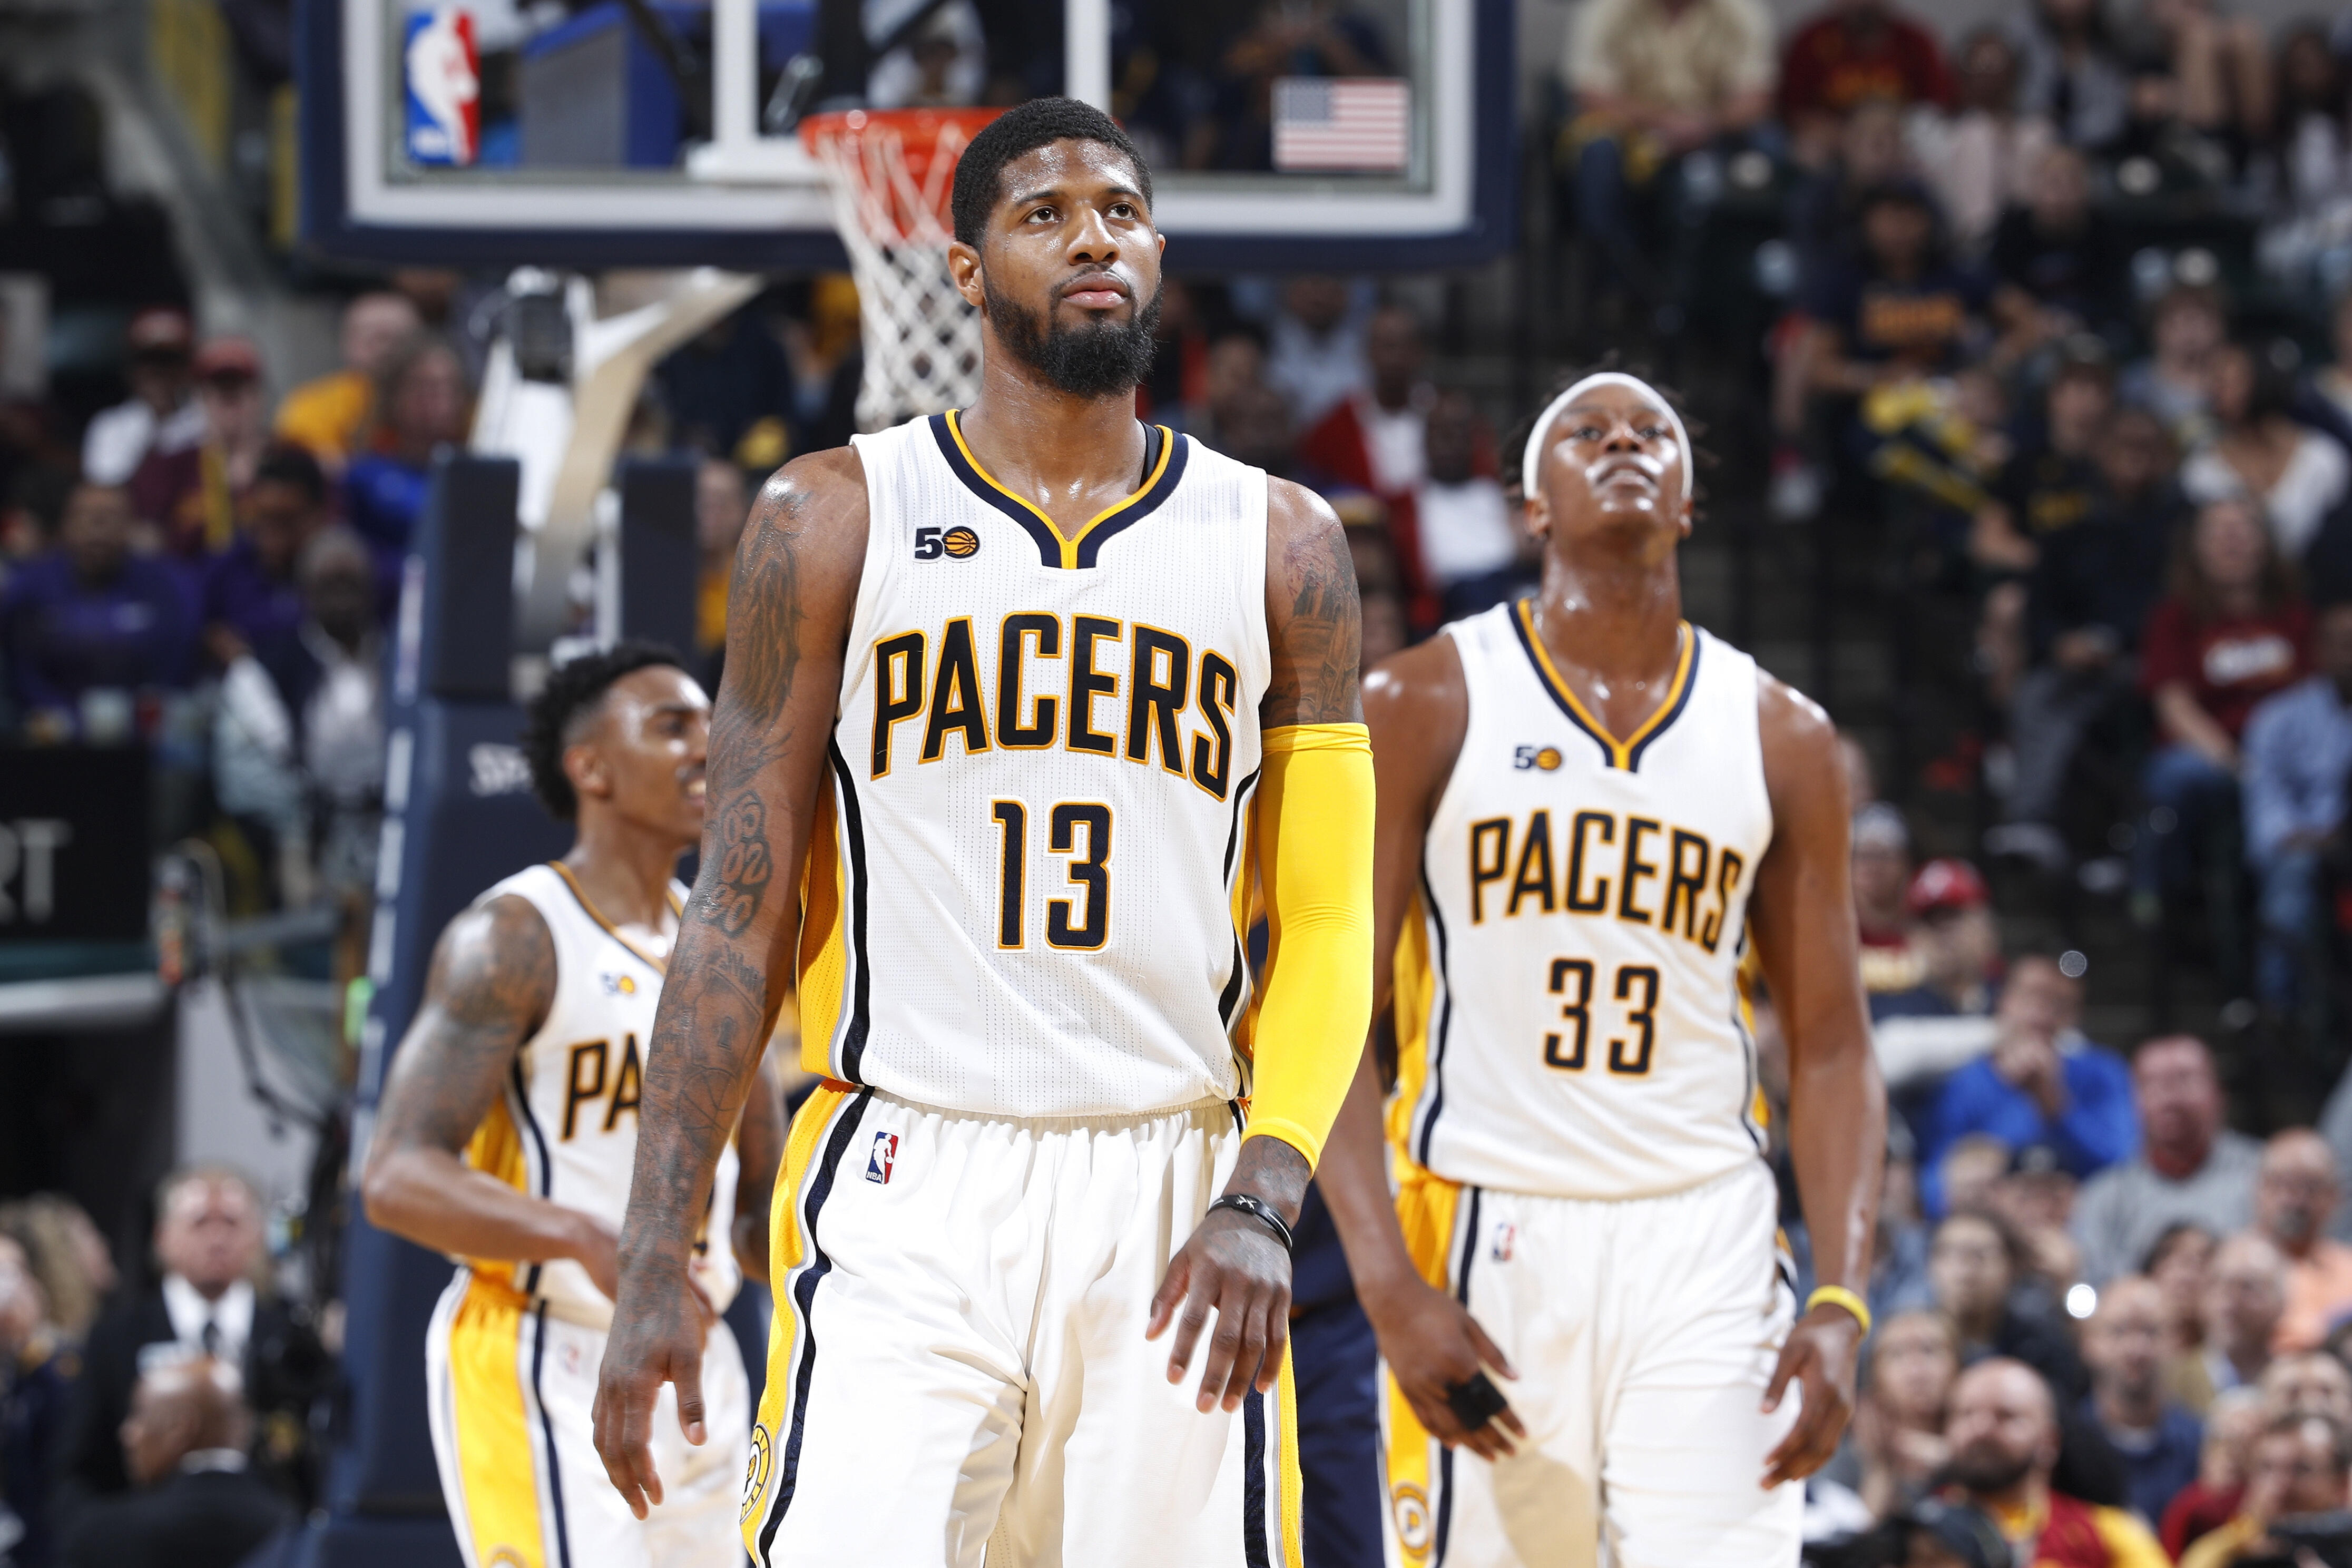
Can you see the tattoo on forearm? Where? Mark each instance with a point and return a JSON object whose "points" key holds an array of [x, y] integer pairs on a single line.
{"points": [[708, 1037], [744, 863], [1321, 643], [765, 610]]}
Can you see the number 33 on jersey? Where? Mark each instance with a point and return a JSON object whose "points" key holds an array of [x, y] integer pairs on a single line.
{"points": [[1567, 997]]}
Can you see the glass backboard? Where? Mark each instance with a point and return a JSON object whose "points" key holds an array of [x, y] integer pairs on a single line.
{"points": [[1331, 134]]}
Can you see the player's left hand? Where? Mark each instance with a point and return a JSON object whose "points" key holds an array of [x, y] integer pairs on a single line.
{"points": [[660, 1320], [1820, 1359], [1233, 1264]]}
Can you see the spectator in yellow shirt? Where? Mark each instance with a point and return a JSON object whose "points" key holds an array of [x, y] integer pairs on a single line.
{"points": [[1655, 80], [328, 414]]}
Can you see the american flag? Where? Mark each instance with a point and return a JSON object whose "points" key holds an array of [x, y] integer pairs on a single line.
{"points": [[1353, 123]]}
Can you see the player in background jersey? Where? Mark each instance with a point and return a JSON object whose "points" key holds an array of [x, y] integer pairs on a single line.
{"points": [[1019, 702], [1585, 1211], [508, 1125]]}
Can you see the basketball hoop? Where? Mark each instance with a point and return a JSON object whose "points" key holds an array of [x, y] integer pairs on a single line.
{"points": [[892, 172]]}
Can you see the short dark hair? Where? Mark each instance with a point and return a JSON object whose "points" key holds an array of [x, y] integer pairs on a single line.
{"points": [[285, 463], [573, 690], [1022, 129]]}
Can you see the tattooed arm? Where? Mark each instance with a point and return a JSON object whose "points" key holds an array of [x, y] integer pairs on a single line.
{"points": [[1313, 819], [492, 981], [789, 608], [1313, 621]]}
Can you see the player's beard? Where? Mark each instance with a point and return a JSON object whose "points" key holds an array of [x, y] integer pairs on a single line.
{"points": [[1102, 359]]}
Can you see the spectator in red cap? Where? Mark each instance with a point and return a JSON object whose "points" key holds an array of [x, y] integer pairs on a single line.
{"points": [[160, 416], [1945, 1021], [2042, 1083], [1957, 940], [193, 494]]}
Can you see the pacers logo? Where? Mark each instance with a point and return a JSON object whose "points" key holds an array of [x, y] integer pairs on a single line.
{"points": [[755, 1475], [1546, 758], [1411, 1510], [961, 543]]}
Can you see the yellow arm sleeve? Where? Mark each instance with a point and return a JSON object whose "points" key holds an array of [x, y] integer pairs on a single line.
{"points": [[1314, 823]]}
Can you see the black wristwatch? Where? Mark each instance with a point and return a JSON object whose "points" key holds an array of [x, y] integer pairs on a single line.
{"points": [[1260, 1210]]}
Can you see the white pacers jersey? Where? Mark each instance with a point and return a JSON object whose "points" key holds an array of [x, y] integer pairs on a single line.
{"points": [[1024, 886], [565, 1128], [1570, 1005]]}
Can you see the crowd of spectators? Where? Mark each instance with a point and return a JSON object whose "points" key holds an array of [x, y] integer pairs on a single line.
{"points": [[2112, 1332], [211, 572], [2063, 322], [171, 1417]]}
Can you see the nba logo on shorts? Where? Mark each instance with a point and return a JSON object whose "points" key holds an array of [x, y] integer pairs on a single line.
{"points": [[443, 76], [884, 1156], [1506, 1235]]}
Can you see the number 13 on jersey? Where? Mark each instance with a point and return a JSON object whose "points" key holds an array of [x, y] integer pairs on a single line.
{"points": [[1080, 829]]}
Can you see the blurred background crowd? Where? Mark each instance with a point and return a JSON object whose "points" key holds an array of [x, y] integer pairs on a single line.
{"points": [[2022, 353]]}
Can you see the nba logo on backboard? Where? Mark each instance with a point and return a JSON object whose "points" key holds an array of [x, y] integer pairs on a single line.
{"points": [[884, 1156], [441, 70]]}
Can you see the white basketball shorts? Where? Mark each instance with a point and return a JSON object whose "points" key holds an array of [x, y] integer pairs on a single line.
{"points": [[956, 1370], [511, 1389], [1644, 1332]]}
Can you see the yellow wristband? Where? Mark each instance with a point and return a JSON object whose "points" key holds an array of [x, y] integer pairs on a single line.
{"points": [[1839, 1296]]}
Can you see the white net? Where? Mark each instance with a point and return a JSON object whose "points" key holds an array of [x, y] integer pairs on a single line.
{"points": [[891, 174]]}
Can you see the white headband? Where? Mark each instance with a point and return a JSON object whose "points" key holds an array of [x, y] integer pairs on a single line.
{"points": [[1531, 461]]}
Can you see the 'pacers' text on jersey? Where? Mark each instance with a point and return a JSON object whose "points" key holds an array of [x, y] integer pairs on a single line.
{"points": [[564, 1126], [1025, 885], [1569, 1003]]}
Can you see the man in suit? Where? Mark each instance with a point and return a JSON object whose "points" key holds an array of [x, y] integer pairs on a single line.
{"points": [[184, 1443], [209, 1243]]}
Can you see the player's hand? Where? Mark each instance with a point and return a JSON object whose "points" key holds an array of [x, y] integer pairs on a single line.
{"points": [[659, 1319], [1820, 1359], [596, 1246], [1233, 1264], [1432, 1344]]}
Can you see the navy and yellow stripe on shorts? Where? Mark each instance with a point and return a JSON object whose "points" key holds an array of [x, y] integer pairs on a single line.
{"points": [[821, 1132], [513, 1489], [1272, 1492], [1440, 1220]]}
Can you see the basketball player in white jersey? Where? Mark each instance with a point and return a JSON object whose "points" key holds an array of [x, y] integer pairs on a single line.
{"points": [[508, 1131], [1026, 704], [1588, 808]]}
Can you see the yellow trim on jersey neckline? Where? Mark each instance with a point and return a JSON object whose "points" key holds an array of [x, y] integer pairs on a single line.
{"points": [[1621, 752], [1069, 542], [610, 930]]}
